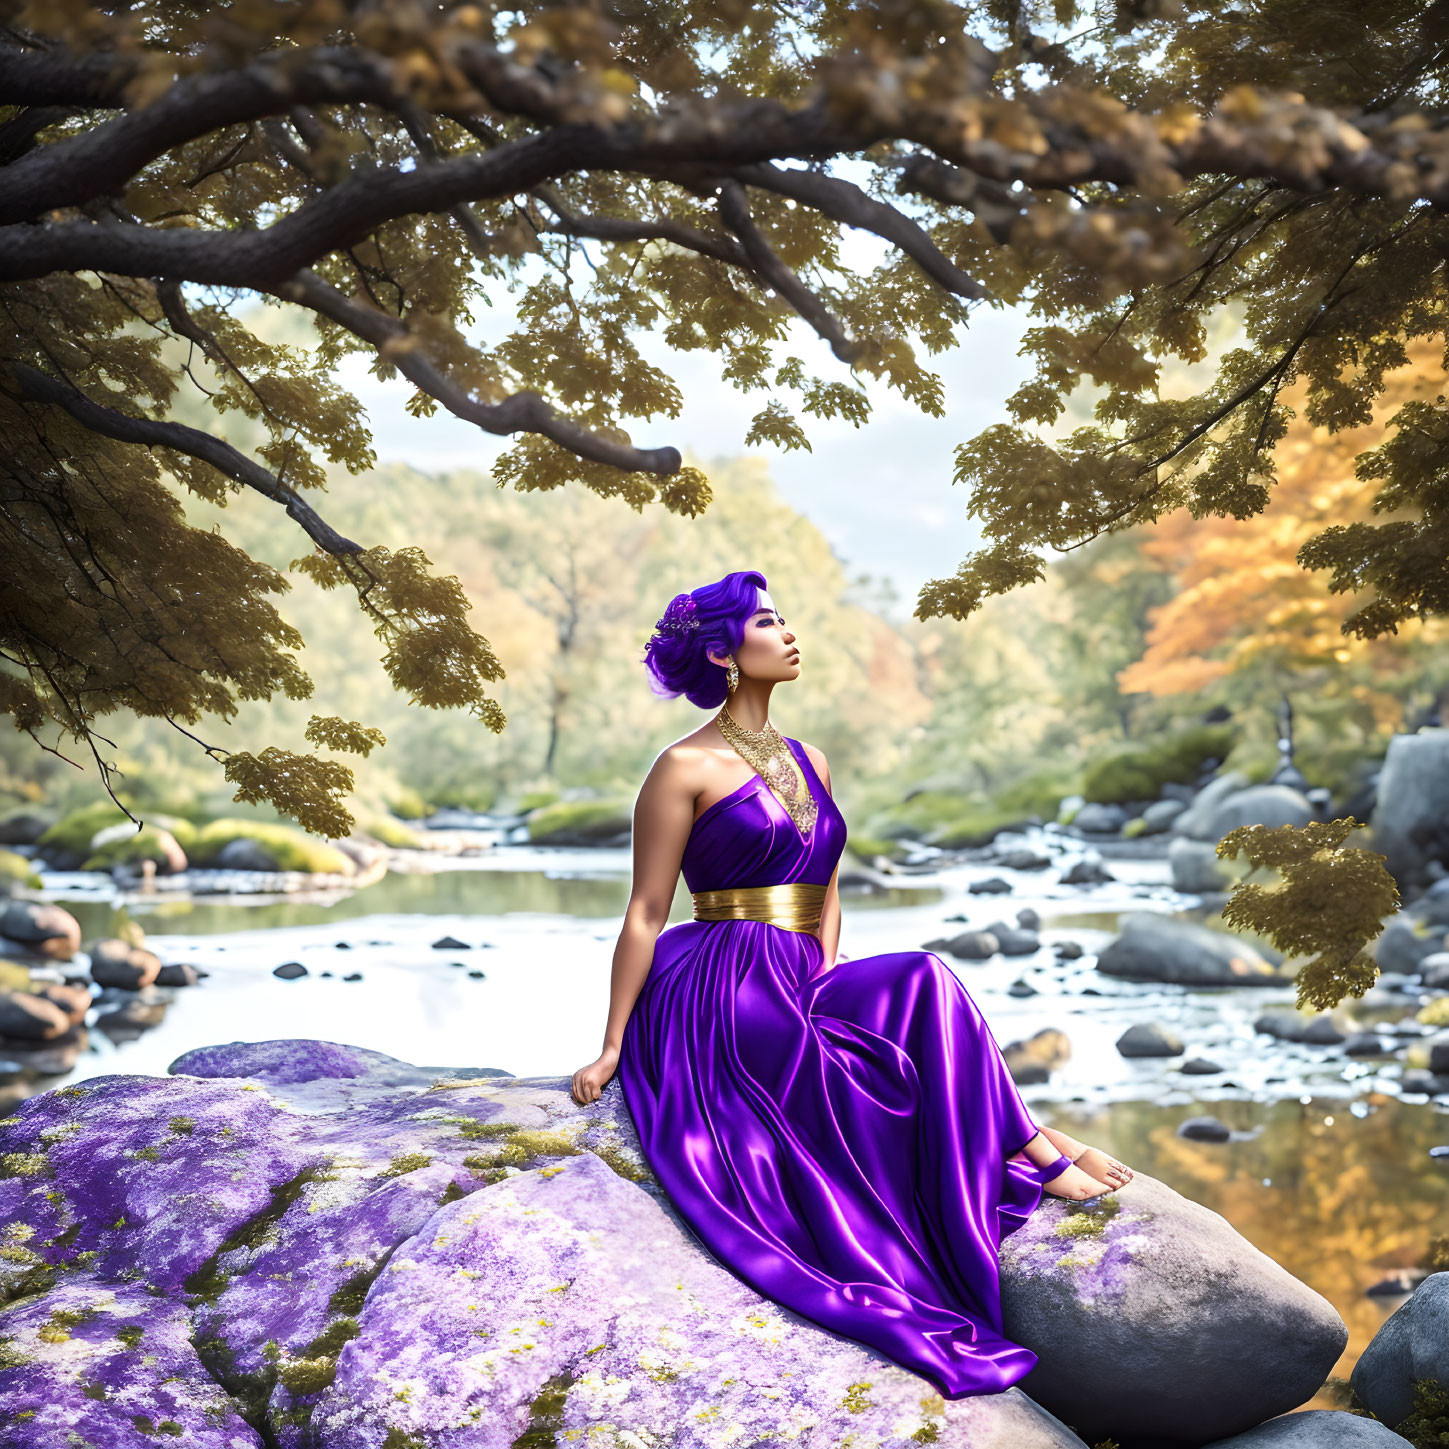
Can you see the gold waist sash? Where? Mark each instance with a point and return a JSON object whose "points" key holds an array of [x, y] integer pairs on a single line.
{"points": [[795, 905]]}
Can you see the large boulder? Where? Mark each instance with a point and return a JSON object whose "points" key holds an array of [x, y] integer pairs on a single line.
{"points": [[1153, 1319], [1270, 805], [1196, 821], [1196, 867], [1153, 947], [363, 1252], [1316, 1429], [1410, 820], [1411, 1346]]}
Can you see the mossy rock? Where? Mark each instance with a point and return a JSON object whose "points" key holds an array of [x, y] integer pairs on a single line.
{"points": [[16, 870], [292, 849], [480, 795], [1039, 792], [1131, 829], [1141, 772], [389, 831], [73, 832], [136, 846], [536, 800], [407, 804], [580, 820]]}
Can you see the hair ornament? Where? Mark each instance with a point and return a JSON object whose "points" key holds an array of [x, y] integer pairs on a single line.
{"points": [[679, 616]]}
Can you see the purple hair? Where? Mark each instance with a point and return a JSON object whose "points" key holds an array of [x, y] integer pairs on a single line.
{"points": [[709, 618]]}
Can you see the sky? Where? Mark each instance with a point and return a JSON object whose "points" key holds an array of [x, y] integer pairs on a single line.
{"points": [[881, 494]]}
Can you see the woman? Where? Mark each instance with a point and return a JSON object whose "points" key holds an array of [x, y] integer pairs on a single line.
{"points": [[843, 1135]]}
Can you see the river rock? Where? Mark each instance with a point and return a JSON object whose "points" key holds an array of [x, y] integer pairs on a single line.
{"points": [[30, 1017], [1013, 940], [1160, 814], [391, 1226], [51, 1058], [1399, 947], [968, 946], [1434, 970], [1088, 871], [1433, 905], [1153, 947], [173, 858], [244, 853], [1418, 1079], [178, 973], [1149, 1312], [1038, 1056], [1204, 1129], [1411, 1344], [1430, 1053], [1095, 818], [25, 826], [1200, 1067], [41, 930], [72, 999], [1316, 1429], [1270, 805], [1364, 1044], [1410, 820], [120, 964], [1325, 1028], [1149, 1039], [1196, 821], [992, 886], [1196, 867], [1023, 857]]}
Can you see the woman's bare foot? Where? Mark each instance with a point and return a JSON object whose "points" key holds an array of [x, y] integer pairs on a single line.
{"points": [[1072, 1182], [1091, 1160]]}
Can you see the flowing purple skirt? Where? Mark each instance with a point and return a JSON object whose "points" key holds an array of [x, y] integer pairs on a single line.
{"points": [[838, 1139]]}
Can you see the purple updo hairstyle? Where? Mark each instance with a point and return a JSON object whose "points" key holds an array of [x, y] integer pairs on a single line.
{"points": [[709, 618]]}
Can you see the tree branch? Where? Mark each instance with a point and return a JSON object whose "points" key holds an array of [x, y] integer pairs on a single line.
{"points": [[106, 157], [734, 210], [523, 412], [38, 387]]}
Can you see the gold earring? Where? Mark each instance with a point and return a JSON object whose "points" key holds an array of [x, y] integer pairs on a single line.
{"points": [[732, 675]]}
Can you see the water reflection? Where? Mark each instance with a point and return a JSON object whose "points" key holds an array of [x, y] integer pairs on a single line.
{"points": [[1340, 1200]]}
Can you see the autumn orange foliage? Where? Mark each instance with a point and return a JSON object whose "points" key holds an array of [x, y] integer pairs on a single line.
{"points": [[1245, 605]]}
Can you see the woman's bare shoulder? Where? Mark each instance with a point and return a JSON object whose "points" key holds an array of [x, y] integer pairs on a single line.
{"points": [[683, 759], [817, 758]]}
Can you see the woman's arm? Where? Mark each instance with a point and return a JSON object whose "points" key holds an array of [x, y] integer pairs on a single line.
{"points": [[663, 817]]}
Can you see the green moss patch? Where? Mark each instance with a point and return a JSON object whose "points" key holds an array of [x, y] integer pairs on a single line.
{"points": [[1140, 773], [292, 849], [590, 819]]}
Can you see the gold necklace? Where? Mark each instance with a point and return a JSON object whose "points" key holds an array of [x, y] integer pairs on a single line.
{"points": [[770, 756]]}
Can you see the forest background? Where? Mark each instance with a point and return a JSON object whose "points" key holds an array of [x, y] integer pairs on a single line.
{"points": [[1126, 642]]}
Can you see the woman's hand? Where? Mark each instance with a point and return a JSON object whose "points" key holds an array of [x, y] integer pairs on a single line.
{"points": [[589, 1081]]}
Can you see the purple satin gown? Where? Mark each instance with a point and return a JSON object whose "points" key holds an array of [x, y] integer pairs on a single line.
{"points": [[838, 1139]]}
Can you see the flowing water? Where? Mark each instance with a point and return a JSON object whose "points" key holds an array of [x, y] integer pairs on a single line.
{"points": [[1328, 1170]]}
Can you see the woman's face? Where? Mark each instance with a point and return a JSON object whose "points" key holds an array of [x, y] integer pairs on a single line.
{"points": [[768, 649]]}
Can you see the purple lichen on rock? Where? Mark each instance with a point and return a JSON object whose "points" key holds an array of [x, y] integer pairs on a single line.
{"points": [[325, 1246], [106, 1363]]}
